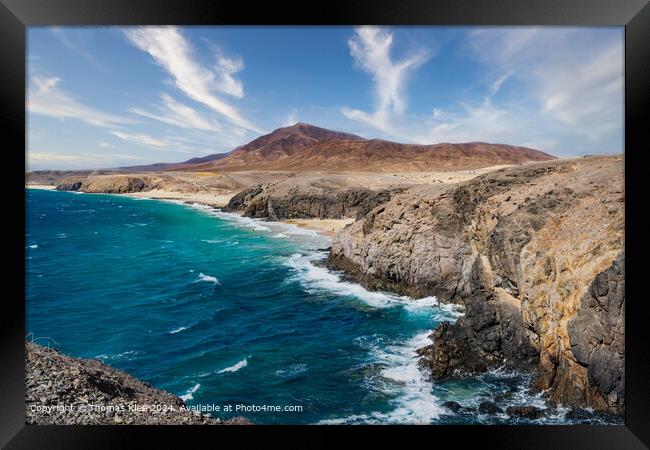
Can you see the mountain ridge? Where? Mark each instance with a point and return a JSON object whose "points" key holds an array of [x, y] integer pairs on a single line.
{"points": [[305, 147]]}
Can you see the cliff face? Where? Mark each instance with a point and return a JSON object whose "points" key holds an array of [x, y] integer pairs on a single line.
{"points": [[96, 394], [535, 253], [122, 184], [293, 201]]}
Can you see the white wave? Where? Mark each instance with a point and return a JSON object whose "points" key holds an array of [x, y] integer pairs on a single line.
{"points": [[414, 403], [241, 364], [212, 241], [128, 355], [247, 222], [33, 246], [207, 278], [291, 371], [177, 330], [291, 228], [189, 395], [281, 235], [320, 278]]}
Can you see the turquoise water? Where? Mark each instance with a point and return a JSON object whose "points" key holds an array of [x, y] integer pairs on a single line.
{"points": [[224, 310]]}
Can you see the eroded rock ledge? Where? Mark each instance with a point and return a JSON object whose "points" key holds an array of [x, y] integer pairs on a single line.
{"points": [[53, 380], [123, 184], [534, 253], [281, 202]]}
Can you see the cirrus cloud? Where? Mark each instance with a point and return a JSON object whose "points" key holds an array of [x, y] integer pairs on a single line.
{"points": [[45, 97], [169, 49], [370, 48]]}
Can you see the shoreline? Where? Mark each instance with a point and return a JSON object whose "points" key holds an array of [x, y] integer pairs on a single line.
{"points": [[327, 228], [324, 227]]}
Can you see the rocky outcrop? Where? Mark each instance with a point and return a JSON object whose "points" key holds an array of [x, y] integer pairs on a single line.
{"points": [[111, 184], [534, 253], [124, 184], [70, 184], [286, 201], [67, 391]]}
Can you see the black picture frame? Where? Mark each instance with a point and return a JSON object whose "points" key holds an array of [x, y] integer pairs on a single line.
{"points": [[634, 15]]}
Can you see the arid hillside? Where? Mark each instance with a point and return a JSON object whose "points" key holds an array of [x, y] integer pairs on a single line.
{"points": [[304, 147]]}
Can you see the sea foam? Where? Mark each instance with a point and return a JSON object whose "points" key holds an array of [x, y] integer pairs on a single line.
{"points": [[207, 278], [413, 401], [234, 368], [314, 277], [177, 330], [189, 395]]}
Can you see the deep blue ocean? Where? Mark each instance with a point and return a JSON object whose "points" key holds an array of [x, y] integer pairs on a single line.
{"points": [[225, 310]]}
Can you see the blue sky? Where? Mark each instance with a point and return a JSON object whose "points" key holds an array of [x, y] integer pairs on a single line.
{"points": [[112, 96]]}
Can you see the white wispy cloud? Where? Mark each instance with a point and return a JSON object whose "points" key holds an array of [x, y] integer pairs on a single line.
{"points": [[559, 90], [573, 77], [36, 159], [76, 41], [172, 51], [370, 48], [178, 114], [157, 143], [45, 97], [292, 119], [226, 68]]}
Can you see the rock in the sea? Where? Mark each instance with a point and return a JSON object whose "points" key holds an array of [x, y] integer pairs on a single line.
{"points": [[534, 253], [452, 406], [525, 412], [489, 408]]}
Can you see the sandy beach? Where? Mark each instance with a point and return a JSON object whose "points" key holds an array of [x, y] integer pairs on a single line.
{"points": [[202, 198], [49, 187], [325, 227]]}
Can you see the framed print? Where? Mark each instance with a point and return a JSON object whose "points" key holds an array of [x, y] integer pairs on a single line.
{"points": [[412, 217]]}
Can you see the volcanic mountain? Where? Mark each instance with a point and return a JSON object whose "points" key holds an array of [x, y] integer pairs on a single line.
{"points": [[304, 147]]}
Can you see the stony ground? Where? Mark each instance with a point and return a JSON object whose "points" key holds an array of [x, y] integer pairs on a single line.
{"points": [[69, 391]]}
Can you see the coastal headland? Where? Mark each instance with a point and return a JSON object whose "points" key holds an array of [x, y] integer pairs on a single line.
{"points": [[531, 246]]}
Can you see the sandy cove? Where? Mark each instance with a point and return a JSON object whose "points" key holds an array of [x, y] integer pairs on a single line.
{"points": [[325, 227]]}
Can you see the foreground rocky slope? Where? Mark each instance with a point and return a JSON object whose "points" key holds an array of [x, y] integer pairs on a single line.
{"points": [[96, 394], [535, 254]]}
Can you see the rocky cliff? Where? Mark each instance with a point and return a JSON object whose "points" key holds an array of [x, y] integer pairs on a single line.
{"points": [[534, 253], [60, 390], [295, 201], [123, 184]]}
